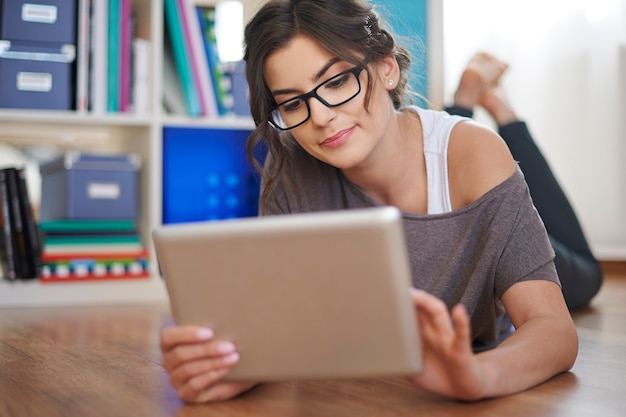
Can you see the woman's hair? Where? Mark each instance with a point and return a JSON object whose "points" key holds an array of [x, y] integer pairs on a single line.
{"points": [[349, 29]]}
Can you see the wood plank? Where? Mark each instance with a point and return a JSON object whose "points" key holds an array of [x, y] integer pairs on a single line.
{"points": [[87, 362], [614, 268]]}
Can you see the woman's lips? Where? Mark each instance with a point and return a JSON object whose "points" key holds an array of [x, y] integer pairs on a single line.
{"points": [[338, 139]]}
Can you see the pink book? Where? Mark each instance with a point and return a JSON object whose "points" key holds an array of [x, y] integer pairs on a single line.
{"points": [[125, 56]]}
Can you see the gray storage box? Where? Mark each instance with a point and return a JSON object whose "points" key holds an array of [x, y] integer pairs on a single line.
{"points": [[38, 21], [82, 186], [36, 76]]}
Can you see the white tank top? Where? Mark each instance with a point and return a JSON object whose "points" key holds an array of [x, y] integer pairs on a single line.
{"points": [[436, 127]]}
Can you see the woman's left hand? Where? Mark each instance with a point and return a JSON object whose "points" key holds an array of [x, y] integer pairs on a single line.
{"points": [[450, 366]]}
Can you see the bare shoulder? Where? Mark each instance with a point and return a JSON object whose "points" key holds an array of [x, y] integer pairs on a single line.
{"points": [[478, 160]]}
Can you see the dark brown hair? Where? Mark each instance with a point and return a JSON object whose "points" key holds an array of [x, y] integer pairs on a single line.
{"points": [[349, 29]]}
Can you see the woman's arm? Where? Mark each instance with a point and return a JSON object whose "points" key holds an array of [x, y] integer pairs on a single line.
{"points": [[544, 344]]}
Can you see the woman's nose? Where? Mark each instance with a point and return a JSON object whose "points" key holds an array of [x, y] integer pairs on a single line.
{"points": [[321, 114]]}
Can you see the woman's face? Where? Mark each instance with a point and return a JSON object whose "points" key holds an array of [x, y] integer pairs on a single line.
{"points": [[345, 136]]}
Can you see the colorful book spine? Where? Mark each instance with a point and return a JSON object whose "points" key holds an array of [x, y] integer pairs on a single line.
{"points": [[137, 254], [113, 79], [82, 57], [90, 269], [181, 58], [99, 56], [173, 97], [68, 245], [86, 226], [206, 19], [141, 77], [90, 239], [239, 87], [125, 56], [82, 250], [199, 62]]}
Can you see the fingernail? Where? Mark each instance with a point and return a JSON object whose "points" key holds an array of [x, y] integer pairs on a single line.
{"points": [[225, 347], [204, 334], [231, 358]]}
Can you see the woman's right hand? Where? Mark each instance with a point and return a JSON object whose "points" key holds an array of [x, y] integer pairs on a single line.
{"points": [[196, 363]]}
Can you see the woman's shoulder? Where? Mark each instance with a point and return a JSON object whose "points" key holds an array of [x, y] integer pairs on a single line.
{"points": [[478, 161]]}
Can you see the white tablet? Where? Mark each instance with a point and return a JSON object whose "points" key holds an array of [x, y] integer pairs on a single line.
{"points": [[315, 295]]}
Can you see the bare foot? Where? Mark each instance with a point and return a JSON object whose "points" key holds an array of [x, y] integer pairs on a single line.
{"points": [[481, 75], [495, 102]]}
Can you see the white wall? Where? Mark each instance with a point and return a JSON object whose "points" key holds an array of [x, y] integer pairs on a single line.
{"points": [[567, 79]]}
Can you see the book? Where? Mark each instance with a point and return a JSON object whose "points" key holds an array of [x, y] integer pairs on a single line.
{"points": [[21, 256], [86, 226], [82, 56], [66, 237], [125, 51], [182, 58], [98, 96], [81, 250], [89, 239], [199, 62], [113, 74], [173, 100], [89, 269], [67, 257], [96, 266], [206, 19], [7, 243], [141, 77], [31, 231], [236, 71]]}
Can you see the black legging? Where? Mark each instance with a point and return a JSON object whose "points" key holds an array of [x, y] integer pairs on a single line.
{"points": [[579, 271]]}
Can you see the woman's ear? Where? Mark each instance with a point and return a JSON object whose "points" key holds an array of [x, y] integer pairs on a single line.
{"points": [[389, 71]]}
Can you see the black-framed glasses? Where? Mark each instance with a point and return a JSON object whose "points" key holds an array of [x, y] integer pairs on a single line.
{"points": [[333, 92]]}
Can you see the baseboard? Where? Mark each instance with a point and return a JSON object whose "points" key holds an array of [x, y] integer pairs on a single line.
{"points": [[614, 268]]}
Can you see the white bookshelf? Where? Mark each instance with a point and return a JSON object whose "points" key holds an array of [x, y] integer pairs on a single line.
{"points": [[33, 293], [128, 133], [114, 133]]}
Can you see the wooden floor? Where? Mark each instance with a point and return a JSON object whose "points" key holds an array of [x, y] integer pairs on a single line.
{"points": [[104, 361]]}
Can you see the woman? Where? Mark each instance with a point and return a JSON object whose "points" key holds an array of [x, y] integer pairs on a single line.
{"points": [[327, 87]]}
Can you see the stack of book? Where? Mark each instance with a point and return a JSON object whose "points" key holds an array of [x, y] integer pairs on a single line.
{"points": [[111, 60], [20, 244], [196, 81], [80, 250]]}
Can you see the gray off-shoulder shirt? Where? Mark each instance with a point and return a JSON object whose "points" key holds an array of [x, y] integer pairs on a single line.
{"points": [[471, 255]]}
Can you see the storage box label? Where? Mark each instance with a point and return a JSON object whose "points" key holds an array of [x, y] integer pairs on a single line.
{"points": [[34, 81], [39, 13], [103, 190]]}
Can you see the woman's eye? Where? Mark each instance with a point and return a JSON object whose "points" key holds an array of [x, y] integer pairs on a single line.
{"points": [[337, 82], [291, 106]]}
